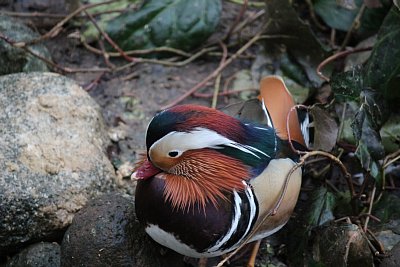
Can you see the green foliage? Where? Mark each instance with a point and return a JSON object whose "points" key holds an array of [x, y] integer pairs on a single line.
{"points": [[297, 36], [334, 15], [388, 208], [341, 18], [382, 71], [319, 211], [347, 85], [376, 86], [91, 33], [174, 23]]}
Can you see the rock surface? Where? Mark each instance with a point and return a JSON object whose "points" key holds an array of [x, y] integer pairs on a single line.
{"points": [[394, 257], [52, 159], [342, 244], [14, 59], [38, 255], [107, 233]]}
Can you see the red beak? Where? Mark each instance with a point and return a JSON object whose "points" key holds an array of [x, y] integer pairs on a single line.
{"points": [[145, 171]]}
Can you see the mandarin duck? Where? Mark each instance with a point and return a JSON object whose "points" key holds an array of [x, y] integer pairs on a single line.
{"points": [[209, 178]]}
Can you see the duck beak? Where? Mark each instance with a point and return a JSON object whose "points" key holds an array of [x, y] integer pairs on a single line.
{"points": [[145, 171]]}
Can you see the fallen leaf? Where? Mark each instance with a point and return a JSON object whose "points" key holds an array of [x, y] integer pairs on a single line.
{"points": [[325, 129]]}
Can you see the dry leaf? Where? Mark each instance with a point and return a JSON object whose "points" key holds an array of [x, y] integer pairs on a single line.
{"points": [[325, 131]]}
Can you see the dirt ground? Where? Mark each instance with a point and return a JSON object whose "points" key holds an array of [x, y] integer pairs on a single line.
{"points": [[135, 101]]}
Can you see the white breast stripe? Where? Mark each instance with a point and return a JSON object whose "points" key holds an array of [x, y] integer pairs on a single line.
{"points": [[253, 210], [235, 222], [171, 241], [269, 121]]}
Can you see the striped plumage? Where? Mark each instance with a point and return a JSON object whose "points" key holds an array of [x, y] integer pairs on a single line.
{"points": [[209, 178]]}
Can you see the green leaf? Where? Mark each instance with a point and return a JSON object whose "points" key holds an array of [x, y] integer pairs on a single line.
{"points": [[335, 15], [372, 18], [296, 36], [347, 85], [388, 208], [390, 133], [321, 209], [318, 212], [366, 127], [382, 71], [174, 23], [341, 17], [91, 33]]}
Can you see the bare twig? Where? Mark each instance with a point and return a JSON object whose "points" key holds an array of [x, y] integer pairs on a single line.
{"points": [[346, 254], [371, 203], [237, 20], [47, 61], [224, 93], [314, 17], [32, 14], [216, 91], [55, 16], [341, 126], [336, 56], [392, 158], [354, 25], [255, 4], [247, 21], [218, 80], [94, 83], [139, 52], [109, 40], [219, 69], [58, 27], [106, 56], [389, 159]]}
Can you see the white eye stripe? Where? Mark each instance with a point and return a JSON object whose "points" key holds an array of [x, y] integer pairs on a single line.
{"points": [[197, 139]]}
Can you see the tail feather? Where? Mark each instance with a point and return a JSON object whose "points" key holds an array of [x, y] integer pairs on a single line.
{"points": [[278, 101]]}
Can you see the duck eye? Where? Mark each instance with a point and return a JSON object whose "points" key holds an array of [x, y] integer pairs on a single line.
{"points": [[173, 154]]}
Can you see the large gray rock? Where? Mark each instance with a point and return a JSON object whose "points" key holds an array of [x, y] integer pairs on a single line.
{"points": [[52, 160], [107, 233], [37, 255], [14, 59]]}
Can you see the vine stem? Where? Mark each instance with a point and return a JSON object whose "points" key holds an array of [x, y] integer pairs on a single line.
{"points": [[336, 56]]}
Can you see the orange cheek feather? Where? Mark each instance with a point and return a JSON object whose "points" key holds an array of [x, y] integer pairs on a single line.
{"points": [[204, 176]]}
